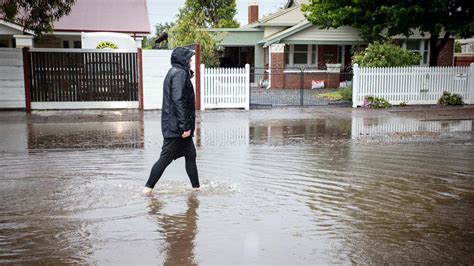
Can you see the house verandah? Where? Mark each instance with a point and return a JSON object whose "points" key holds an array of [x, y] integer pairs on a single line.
{"points": [[285, 42]]}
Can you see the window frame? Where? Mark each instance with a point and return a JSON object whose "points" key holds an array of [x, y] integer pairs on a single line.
{"points": [[423, 49], [290, 55]]}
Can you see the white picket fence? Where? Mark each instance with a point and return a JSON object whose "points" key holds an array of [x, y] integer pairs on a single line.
{"points": [[413, 85], [225, 87]]}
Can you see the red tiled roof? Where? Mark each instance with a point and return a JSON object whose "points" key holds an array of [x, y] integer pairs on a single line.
{"points": [[126, 16]]}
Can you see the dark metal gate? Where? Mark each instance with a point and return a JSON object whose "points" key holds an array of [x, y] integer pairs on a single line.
{"points": [[297, 86], [81, 75]]}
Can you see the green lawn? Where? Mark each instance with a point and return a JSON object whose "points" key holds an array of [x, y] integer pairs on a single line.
{"points": [[335, 94]]}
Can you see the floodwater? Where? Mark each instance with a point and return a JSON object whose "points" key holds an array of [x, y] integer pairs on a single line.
{"points": [[291, 186]]}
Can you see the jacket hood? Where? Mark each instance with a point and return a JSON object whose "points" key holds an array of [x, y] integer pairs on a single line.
{"points": [[180, 56]]}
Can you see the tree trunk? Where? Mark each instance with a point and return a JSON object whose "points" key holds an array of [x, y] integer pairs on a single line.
{"points": [[436, 47]]}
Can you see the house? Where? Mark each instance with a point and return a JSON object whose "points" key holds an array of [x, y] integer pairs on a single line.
{"points": [[121, 16], [285, 40]]}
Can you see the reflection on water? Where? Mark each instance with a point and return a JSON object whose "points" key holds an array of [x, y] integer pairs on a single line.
{"points": [[289, 132], [337, 190], [395, 129], [216, 129], [87, 135], [35, 226], [179, 231]]}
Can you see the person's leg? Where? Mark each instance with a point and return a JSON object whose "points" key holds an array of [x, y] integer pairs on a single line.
{"points": [[190, 157], [166, 157]]}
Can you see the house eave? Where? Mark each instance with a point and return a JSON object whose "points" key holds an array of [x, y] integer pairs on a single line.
{"points": [[78, 32], [281, 35], [235, 29], [15, 27], [278, 24]]}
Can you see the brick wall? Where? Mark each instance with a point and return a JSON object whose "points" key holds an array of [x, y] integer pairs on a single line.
{"points": [[292, 80], [446, 54], [463, 60], [48, 42]]}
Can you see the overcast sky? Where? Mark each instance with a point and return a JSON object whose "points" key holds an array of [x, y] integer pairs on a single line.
{"points": [[160, 11]]}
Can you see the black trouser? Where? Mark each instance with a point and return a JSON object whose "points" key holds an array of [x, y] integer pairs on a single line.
{"points": [[174, 148]]}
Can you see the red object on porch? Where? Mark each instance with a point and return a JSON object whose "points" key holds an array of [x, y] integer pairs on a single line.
{"points": [[140, 79], [26, 78], [198, 76]]}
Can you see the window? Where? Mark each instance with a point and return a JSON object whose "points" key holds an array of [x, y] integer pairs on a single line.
{"points": [[314, 55], [301, 55], [65, 44], [413, 45], [425, 52], [419, 46], [77, 44]]}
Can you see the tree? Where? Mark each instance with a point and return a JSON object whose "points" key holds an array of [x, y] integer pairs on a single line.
{"points": [[385, 18], [187, 31], [35, 15], [163, 27], [217, 13], [194, 20], [385, 55]]}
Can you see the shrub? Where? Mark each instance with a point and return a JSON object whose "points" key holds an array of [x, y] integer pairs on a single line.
{"points": [[450, 99], [457, 47], [385, 55], [375, 102], [346, 93]]}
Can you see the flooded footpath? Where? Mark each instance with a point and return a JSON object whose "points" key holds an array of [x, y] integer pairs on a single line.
{"points": [[282, 186]]}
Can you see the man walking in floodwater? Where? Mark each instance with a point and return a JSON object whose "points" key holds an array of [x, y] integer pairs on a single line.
{"points": [[177, 119]]}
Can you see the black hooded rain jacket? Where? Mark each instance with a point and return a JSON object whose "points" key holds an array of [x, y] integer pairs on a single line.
{"points": [[178, 113]]}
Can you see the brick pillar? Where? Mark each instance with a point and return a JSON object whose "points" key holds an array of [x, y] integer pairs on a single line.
{"points": [[446, 55], [253, 11], [277, 65]]}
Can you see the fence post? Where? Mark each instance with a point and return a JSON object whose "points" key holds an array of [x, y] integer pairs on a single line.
{"points": [[202, 94], [301, 85], [198, 76], [140, 79], [355, 85], [470, 83], [247, 87], [26, 77]]}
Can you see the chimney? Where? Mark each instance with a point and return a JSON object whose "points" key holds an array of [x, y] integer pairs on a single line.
{"points": [[253, 11]]}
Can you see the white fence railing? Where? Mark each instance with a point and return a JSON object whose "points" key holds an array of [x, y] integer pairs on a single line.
{"points": [[413, 85], [225, 87]]}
